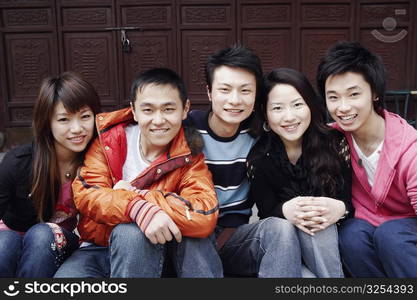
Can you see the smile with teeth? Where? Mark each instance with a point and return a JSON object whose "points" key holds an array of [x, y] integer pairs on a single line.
{"points": [[290, 127], [77, 139], [348, 117], [234, 110], [159, 130]]}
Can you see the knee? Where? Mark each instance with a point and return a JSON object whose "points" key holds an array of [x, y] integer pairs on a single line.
{"points": [[10, 242], [126, 233], [354, 234], [39, 235], [272, 228], [387, 237]]}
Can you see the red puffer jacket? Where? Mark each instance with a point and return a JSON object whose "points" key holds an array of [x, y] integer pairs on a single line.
{"points": [[178, 182]]}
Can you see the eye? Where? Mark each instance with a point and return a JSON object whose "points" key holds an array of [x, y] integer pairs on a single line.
{"points": [[86, 116], [146, 110], [277, 108], [331, 98], [63, 119], [246, 91], [169, 109], [298, 104], [224, 90], [355, 94]]}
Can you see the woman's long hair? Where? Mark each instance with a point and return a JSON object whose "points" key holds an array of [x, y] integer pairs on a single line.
{"points": [[320, 146], [74, 93]]}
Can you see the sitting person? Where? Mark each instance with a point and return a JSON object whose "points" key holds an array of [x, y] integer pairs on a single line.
{"points": [[299, 170], [144, 191], [37, 212], [234, 83], [380, 241]]}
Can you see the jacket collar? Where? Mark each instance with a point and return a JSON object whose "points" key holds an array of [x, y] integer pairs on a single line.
{"points": [[178, 154], [397, 137]]}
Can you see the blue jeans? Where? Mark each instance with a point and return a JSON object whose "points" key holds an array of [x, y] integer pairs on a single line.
{"points": [[389, 250], [131, 255], [33, 254], [273, 247], [320, 253]]}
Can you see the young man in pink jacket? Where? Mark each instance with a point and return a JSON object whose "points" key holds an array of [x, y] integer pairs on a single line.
{"points": [[380, 241]]}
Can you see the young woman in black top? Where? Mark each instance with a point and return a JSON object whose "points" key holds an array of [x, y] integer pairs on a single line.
{"points": [[299, 169], [37, 212]]}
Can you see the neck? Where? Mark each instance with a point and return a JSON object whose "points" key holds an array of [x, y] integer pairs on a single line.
{"points": [[371, 134], [294, 150], [65, 156], [150, 153], [220, 128]]}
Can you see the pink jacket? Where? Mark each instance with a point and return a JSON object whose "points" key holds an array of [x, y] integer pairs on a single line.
{"points": [[394, 194]]}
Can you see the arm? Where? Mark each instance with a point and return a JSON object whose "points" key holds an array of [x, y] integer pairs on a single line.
{"points": [[93, 190], [7, 182], [262, 192], [193, 207]]}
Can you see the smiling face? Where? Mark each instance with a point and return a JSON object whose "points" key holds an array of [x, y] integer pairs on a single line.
{"points": [[159, 112], [288, 114], [71, 131], [349, 100], [233, 96]]}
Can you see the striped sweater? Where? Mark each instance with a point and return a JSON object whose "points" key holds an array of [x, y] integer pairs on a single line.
{"points": [[226, 160]]}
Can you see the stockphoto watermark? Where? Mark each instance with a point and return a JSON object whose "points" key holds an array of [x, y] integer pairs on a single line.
{"points": [[72, 289], [389, 24]]}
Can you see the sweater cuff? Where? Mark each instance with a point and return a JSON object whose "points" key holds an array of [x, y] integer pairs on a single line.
{"points": [[142, 212]]}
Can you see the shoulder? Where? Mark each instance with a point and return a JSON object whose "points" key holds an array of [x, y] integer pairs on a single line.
{"points": [[20, 152], [17, 161], [197, 119]]}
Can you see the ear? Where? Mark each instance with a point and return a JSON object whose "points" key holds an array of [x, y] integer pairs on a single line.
{"points": [[208, 93], [186, 109], [133, 111]]}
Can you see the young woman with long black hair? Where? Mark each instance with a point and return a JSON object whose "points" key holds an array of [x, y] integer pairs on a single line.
{"points": [[299, 169], [37, 213]]}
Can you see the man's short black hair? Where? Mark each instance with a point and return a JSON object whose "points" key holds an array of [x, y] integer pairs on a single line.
{"points": [[347, 56], [236, 56], [159, 76]]}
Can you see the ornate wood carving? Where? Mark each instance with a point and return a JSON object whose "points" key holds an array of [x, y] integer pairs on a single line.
{"points": [[27, 17], [376, 13], [86, 16], [21, 115], [146, 15], [266, 14], [394, 55], [29, 61], [325, 13], [206, 15], [147, 52], [271, 46], [197, 47], [90, 54], [314, 45]]}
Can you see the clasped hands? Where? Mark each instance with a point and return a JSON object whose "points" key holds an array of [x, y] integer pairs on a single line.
{"points": [[312, 214], [161, 228]]}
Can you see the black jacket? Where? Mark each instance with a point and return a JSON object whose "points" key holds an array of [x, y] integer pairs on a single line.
{"points": [[16, 208], [274, 180]]}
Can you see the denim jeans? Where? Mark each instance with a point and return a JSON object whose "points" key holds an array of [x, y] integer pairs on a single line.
{"points": [[320, 253], [34, 254], [131, 255], [273, 247], [389, 250]]}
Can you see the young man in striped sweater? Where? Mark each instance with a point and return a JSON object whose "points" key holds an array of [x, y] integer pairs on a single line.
{"points": [[264, 248]]}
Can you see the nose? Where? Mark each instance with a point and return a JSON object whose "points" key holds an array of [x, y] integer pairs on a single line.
{"points": [[289, 115], [234, 98], [344, 105], [158, 118], [76, 126]]}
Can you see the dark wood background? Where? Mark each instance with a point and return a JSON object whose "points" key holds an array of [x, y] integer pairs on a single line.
{"points": [[41, 38]]}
